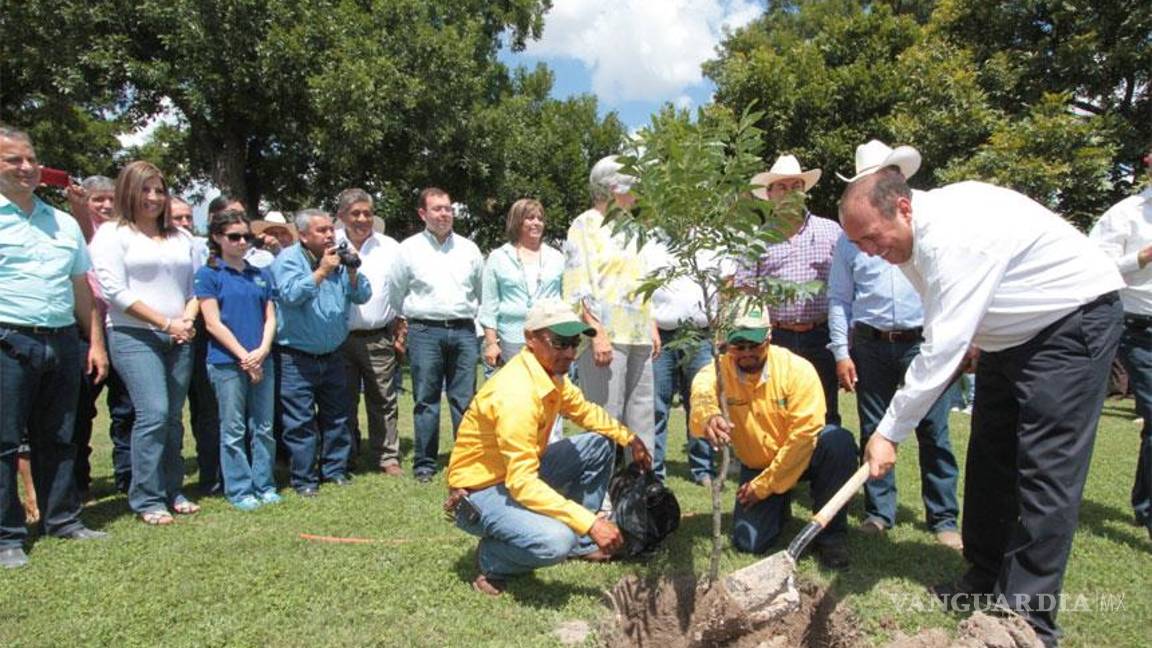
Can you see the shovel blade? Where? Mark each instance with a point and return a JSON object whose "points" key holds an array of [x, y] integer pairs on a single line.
{"points": [[764, 590]]}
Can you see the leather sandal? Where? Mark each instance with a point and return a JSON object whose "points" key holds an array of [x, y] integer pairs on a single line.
{"points": [[157, 518]]}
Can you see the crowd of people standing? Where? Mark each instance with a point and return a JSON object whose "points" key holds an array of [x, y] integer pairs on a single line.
{"points": [[275, 329]]}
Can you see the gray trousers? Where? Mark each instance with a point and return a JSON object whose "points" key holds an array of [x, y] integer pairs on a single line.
{"points": [[624, 388], [370, 360]]}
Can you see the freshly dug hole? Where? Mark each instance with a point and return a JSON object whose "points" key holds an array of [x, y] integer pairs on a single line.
{"points": [[674, 612]]}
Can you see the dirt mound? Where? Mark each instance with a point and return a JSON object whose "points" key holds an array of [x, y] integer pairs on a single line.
{"points": [[977, 631], [678, 613]]}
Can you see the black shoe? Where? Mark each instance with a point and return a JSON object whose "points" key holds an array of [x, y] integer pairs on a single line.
{"points": [[83, 533], [307, 491], [833, 555], [425, 477], [962, 595]]}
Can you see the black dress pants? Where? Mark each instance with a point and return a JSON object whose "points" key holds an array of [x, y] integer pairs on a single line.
{"points": [[1033, 428]]}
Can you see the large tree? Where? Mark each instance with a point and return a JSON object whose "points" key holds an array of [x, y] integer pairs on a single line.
{"points": [[290, 101], [974, 85]]}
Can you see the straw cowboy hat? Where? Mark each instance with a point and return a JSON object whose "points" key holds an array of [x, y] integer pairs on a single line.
{"points": [[785, 167], [876, 155], [271, 220]]}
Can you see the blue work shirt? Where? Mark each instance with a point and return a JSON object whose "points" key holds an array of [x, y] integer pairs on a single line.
{"points": [[242, 298], [311, 318], [867, 290], [39, 254]]}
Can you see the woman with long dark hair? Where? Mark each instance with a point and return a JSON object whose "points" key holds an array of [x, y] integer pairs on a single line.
{"points": [[236, 300], [145, 266]]}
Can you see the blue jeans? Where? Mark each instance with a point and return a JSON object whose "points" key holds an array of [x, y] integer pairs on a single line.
{"points": [[672, 373], [156, 371], [245, 411], [515, 540], [314, 412], [1136, 353], [880, 368], [39, 387], [443, 359], [755, 528], [203, 412], [122, 415], [813, 347]]}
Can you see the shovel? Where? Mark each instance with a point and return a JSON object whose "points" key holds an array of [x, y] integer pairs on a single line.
{"points": [[766, 590]]}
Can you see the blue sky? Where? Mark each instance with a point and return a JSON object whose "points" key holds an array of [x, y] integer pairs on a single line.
{"points": [[634, 55]]}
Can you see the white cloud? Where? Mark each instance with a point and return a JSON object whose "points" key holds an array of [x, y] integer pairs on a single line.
{"points": [[640, 50], [168, 115]]}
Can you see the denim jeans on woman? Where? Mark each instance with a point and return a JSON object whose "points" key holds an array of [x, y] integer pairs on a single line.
{"points": [[245, 410], [156, 371]]}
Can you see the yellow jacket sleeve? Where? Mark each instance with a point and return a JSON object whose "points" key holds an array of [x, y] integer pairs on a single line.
{"points": [[805, 418], [516, 439], [591, 416], [703, 399]]}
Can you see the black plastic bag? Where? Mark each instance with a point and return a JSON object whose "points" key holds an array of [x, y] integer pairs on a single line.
{"points": [[644, 509]]}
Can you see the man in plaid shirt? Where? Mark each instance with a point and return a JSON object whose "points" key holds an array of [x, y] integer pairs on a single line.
{"points": [[799, 325]]}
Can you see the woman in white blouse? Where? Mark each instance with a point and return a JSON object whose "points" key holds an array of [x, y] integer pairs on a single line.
{"points": [[145, 266]]}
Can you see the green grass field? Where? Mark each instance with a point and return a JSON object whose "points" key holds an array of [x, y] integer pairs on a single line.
{"points": [[248, 579]]}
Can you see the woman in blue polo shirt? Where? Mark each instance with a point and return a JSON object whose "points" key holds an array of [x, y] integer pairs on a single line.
{"points": [[236, 300]]}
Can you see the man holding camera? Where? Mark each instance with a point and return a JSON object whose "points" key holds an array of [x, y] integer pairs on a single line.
{"points": [[317, 281], [437, 280], [532, 503]]}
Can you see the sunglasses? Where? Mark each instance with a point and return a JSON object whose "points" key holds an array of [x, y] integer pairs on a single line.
{"points": [[563, 342], [236, 237]]}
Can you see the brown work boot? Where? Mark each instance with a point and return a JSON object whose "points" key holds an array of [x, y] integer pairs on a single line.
{"points": [[873, 527], [951, 539], [597, 555], [489, 586]]}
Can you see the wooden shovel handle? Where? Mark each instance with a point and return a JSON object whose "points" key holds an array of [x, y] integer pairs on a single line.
{"points": [[833, 506]]}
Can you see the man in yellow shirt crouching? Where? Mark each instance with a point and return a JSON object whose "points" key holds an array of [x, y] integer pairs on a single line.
{"points": [[533, 504], [776, 427]]}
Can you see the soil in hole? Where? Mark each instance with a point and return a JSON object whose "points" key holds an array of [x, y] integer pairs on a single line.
{"points": [[672, 612]]}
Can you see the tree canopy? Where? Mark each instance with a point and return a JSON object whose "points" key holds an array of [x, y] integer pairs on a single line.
{"points": [[1052, 99]]}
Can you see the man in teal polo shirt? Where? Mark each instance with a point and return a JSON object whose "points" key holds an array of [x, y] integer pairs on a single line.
{"points": [[316, 290], [43, 261]]}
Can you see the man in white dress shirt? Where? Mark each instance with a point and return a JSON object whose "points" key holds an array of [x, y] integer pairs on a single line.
{"points": [[998, 271], [1124, 232], [438, 282], [374, 332]]}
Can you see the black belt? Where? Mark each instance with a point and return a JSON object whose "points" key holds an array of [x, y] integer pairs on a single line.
{"points": [[37, 330], [1137, 321], [297, 352], [900, 335], [444, 323]]}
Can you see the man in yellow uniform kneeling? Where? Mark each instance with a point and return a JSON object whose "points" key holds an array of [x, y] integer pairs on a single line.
{"points": [[776, 407], [533, 504]]}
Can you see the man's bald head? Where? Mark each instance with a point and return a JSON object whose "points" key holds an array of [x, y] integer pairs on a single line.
{"points": [[876, 214]]}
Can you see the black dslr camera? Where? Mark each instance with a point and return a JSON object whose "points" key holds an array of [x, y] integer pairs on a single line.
{"points": [[348, 258]]}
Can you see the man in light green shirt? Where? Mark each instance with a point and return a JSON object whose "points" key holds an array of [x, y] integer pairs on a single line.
{"points": [[43, 261]]}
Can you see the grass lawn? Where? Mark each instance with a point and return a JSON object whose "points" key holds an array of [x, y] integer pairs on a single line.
{"points": [[248, 579]]}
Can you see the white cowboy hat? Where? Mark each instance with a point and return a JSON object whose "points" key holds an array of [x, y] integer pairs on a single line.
{"points": [[876, 155], [272, 220], [785, 166]]}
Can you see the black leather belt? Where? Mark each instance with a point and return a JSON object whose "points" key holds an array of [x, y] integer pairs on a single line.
{"points": [[1137, 321], [900, 335], [372, 332], [444, 323], [37, 330]]}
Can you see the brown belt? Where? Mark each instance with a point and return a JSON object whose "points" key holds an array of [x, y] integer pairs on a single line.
{"points": [[798, 327]]}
